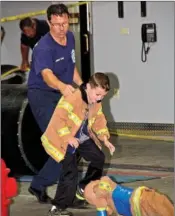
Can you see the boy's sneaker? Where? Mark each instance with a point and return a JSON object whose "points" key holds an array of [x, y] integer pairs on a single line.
{"points": [[79, 204], [54, 211], [79, 193]]}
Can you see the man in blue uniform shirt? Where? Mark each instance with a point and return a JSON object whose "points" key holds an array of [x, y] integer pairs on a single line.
{"points": [[52, 74]]}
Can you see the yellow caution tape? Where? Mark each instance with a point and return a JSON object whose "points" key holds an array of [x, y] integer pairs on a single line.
{"points": [[21, 16], [37, 13]]}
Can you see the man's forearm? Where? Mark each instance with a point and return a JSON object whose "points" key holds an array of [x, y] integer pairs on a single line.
{"points": [[51, 80], [24, 53], [76, 78]]}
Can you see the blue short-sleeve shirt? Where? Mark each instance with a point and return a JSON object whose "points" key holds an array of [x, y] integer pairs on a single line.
{"points": [[48, 54]]}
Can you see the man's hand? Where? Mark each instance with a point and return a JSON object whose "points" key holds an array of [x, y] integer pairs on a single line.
{"points": [[25, 65], [73, 142], [109, 145], [68, 90]]}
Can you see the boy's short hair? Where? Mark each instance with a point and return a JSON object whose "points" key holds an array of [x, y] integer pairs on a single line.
{"points": [[100, 80]]}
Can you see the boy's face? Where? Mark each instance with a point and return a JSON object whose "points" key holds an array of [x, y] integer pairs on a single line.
{"points": [[95, 94]]}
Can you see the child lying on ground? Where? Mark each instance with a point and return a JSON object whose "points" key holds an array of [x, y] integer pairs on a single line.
{"points": [[109, 197]]}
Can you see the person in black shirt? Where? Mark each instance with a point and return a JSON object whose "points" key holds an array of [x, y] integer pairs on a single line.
{"points": [[32, 30]]}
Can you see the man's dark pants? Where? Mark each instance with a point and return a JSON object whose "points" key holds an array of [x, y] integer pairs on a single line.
{"points": [[43, 104]]}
